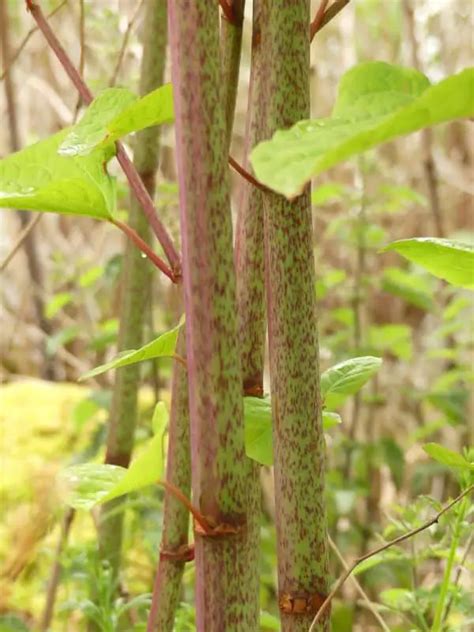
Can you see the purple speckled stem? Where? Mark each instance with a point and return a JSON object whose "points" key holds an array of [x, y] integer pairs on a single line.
{"points": [[129, 170], [167, 585], [298, 440], [220, 468]]}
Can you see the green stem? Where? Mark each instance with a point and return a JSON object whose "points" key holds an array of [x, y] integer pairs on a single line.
{"points": [[220, 469], [440, 606], [167, 584], [136, 283], [298, 439]]}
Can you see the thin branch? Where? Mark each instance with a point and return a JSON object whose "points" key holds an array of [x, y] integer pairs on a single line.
{"points": [[401, 538], [25, 41], [228, 11], [145, 248], [128, 168], [329, 14], [369, 605], [318, 18], [56, 572], [82, 38], [21, 238], [248, 176], [126, 37], [458, 573]]}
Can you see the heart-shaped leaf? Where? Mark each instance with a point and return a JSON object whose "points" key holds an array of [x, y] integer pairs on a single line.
{"points": [[346, 378], [37, 178], [376, 103], [452, 261], [114, 113], [92, 483]]}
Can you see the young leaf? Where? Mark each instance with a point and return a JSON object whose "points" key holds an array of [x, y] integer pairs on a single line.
{"points": [[452, 261], [347, 377], [376, 103], [162, 347], [447, 457], [392, 338], [116, 112], [38, 179], [330, 420], [146, 469], [412, 287], [91, 483], [258, 429]]}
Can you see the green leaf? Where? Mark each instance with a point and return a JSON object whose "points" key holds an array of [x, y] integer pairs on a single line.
{"points": [[114, 113], [56, 304], [410, 286], [162, 347], [376, 103], [330, 420], [447, 457], [258, 429], [394, 338], [399, 599], [91, 483], [146, 469], [160, 419], [393, 456], [268, 622], [347, 377], [452, 261], [38, 179]]}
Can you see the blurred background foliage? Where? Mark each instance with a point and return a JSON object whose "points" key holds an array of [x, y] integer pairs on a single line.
{"points": [[61, 319]]}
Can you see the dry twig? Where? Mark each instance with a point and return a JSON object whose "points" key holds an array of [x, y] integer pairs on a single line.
{"points": [[384, 547], [123, 47]]}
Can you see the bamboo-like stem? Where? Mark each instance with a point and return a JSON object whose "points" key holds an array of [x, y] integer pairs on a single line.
{"points": [[136, 280], [139, 189], [298, 440], [231, 46], [249, 255], [325, 605], [221, 470], [166, 588]]}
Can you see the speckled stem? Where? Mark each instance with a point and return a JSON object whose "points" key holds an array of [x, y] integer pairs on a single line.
{"points": [[221, 471], [251, 329], [249, 253], [167, 585], [293, 337], [136, 280], [231, 46]]}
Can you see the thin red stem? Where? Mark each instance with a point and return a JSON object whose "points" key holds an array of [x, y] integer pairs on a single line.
{"points": [[146, 249], [323, 19], [245, 174], [128, 168], [318, 18], [228, 11]]}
